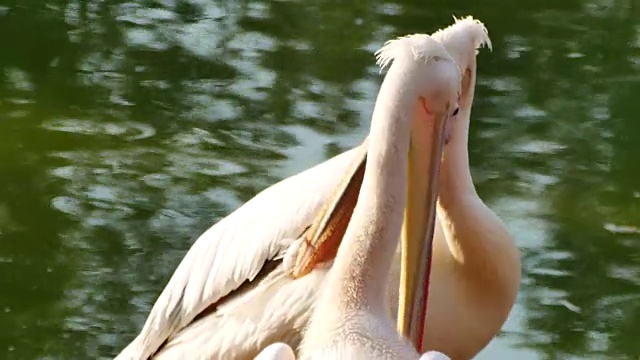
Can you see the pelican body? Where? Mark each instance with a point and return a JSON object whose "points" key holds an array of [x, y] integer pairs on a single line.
{"points": [[251, 279]]}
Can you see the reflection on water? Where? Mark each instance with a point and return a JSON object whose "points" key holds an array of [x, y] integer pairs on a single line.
{"points": [[130, 127]]}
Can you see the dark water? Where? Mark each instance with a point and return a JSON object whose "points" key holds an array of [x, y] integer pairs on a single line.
{"points": [[127, 128]]}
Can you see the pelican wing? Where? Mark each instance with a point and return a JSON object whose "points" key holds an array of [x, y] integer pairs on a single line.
{"points": [[235, 250]]}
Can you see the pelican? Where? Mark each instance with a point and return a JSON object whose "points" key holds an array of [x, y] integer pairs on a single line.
{"points": [[476, 267], [351, 317], [232, 295]]}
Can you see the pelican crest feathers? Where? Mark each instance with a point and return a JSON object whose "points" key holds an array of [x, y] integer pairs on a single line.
{"points": [[420, 47], [463, 31], [457, 35]]}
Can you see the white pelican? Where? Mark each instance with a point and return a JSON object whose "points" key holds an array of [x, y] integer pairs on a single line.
{"points": [[230, 296], [351, 317], [476, 268]]}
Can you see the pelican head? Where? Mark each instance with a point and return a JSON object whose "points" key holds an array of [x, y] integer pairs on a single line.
{"points": [[436, 80], [462, 40]]}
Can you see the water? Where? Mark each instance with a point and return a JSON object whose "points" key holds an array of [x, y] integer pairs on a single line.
{"points": [[128, 128]]}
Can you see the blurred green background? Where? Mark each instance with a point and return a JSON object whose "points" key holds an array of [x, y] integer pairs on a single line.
{"points": [[128, 128]]}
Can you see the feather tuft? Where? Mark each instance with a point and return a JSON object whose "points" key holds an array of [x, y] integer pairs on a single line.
{"points": [[465, 30], [416, 47]]}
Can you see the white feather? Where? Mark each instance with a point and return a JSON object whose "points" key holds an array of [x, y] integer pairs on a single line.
{"points": [[234, 251], [415, 47], [462, 31], [463, 39]]}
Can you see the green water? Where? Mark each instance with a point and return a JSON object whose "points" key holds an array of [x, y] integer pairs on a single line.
{"points": [[128, 128]]}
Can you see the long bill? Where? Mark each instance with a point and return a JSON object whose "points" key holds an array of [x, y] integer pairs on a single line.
{"points": [[425, 154]]}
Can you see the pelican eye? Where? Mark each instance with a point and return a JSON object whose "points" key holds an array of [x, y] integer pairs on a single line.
{"points": [[455, 112]]}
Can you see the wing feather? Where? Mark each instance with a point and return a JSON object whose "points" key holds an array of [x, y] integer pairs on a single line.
{"points": [[235, 249], [269, 311]]}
